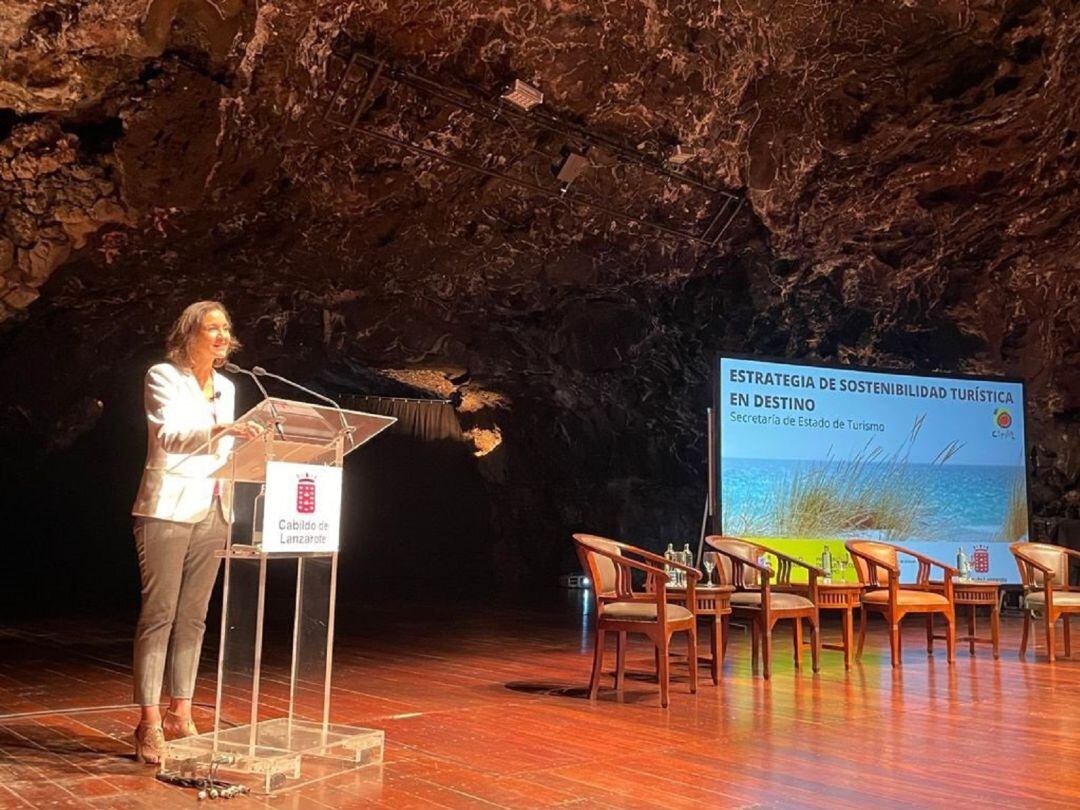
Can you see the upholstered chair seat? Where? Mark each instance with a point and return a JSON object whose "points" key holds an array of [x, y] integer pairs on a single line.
{"points": [[777, 601], [906, 597], [1060, 598], [642, 612]]}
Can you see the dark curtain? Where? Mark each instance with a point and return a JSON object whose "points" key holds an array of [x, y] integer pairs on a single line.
{"points": [[416, 515], [427, 419]]}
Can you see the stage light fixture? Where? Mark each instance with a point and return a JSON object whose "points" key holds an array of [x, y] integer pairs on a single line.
{"points": [[681, 155], [522, 95], [574, 163]]}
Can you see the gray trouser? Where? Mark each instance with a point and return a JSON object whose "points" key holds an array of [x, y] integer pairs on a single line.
{"points": [[178, 569]]}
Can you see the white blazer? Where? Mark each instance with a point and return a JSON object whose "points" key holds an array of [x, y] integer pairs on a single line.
{"points": [[176, 483]]}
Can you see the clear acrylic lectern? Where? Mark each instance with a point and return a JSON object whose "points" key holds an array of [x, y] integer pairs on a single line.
{"points": [[272, 726]]}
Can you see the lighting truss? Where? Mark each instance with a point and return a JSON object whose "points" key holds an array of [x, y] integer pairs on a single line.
{"points": [[361, 74]]}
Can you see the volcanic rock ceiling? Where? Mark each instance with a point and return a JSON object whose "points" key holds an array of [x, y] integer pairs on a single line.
{"points": [[886, 182]]}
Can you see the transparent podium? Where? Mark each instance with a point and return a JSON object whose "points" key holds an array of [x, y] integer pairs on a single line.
{"points": [[272, 726]]}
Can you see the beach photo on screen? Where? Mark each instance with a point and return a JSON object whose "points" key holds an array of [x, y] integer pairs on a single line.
{"points": [[810, 454]]}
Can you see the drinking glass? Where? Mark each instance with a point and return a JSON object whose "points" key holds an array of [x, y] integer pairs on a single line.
{"points": [[845, 564], [709, 564]]}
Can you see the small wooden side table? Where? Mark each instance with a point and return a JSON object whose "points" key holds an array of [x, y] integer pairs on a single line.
{"points": [[714, 604], [976, 594], [845, 596]]}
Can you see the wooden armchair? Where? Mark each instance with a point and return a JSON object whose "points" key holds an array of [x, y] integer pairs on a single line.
{"points": [[756, 599], [878, 567], [621, 610], [1044, 573]]}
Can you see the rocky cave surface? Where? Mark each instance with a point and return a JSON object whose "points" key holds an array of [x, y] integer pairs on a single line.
{"points": [[890, 183]]}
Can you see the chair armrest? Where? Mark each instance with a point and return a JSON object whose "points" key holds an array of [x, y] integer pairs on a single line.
{"points": [[929, 585], [949, 571], [1046, 569], [783, 574], [622, 559], [735, 558], [738, 580], [646, 598], [1047, 572], [653, 573], [640, 566], [688, 569], [795, 561], [872, 563], [658, 559]]}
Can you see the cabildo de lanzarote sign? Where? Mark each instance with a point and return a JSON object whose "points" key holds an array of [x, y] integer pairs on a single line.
{"points": [[303, 507]]}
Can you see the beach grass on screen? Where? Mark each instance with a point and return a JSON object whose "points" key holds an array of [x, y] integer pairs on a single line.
{"points": [[1016, 514], [869, 492]]}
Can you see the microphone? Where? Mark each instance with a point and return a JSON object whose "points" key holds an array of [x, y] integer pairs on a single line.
{"points": [[345, 429], [232, 368]]}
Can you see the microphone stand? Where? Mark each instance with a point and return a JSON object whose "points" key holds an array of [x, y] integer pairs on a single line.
{"points": [[345, 429], [232, 368]]}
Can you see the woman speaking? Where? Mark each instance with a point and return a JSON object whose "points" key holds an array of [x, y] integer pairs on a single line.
{"points": [[181, 516]]}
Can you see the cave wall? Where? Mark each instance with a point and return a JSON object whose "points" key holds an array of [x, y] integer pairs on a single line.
{"points": [[905, 173]]}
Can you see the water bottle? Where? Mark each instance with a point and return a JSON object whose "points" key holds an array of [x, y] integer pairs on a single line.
{"points": [[687, 560], [673, 575], [826, 564], [257, 518], [963, 567]]}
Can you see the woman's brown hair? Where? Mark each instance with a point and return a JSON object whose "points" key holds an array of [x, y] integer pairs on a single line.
{"points": [[187, 325]]}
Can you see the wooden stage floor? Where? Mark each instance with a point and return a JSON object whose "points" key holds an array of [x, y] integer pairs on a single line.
{"points": [[488, 709]]}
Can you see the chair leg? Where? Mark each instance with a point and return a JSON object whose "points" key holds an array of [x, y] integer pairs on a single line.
{"points": [[664, 662], [862, 633], [815, 642], [598, 662], [755, 643], [1024, 634], [1050, 652], [766, 652], [929, 633], [971, 629], [716, 645], [620, 658], [1068, 641], [995, 628], [656, 661], [950, 636], [693, 657], [894, 642], [796, 637]]}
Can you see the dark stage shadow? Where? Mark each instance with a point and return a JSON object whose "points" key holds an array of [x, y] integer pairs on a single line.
{"points": [[552, 689], [607, 692]]}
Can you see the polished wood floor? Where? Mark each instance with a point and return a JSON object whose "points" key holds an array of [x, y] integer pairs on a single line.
{"points": [[487, 709]]}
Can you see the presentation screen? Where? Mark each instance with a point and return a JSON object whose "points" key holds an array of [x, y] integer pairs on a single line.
{"points": [[809, 456]]}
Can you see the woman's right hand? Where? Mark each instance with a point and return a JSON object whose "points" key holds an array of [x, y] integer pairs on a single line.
{"points": [[245, 430]]}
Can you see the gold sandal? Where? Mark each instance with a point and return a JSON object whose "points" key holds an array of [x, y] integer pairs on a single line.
{"points": [[149, 744], [175, 727]]}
